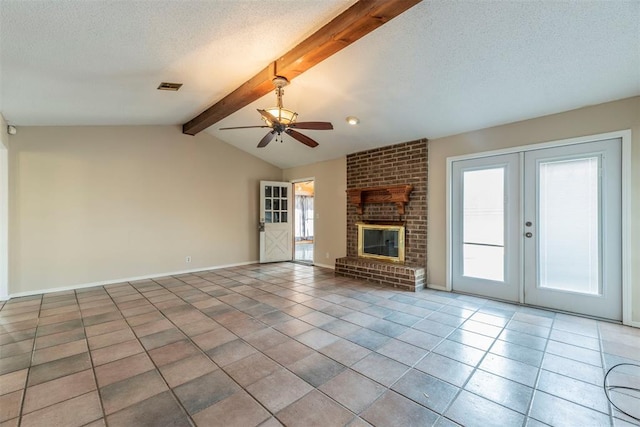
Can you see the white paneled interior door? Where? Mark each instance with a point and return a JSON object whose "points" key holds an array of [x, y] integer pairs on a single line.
{"points": [[276, 221]]}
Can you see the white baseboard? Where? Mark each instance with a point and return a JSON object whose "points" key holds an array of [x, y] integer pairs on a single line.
{"points": [[633, 324], [128, 279], [332, 267], [437, 287]]}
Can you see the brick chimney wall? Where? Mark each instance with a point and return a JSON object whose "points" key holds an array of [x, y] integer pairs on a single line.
{"points": [[405, 163]]}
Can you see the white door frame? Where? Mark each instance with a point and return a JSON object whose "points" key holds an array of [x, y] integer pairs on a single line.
{"points": [[293, 225], [625, 135]]}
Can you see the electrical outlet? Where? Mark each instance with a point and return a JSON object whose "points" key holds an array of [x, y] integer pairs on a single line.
{"points": [[188, 259]]}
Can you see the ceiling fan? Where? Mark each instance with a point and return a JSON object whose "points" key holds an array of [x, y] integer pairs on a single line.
{"points": [[281, 120]]}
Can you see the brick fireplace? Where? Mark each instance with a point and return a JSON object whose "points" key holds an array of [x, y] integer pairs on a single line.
{"points": [[397, 165]]}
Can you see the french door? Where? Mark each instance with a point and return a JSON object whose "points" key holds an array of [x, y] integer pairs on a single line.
{"points": [[541, 227], [276, 221], [573, 228], [486, 249]]}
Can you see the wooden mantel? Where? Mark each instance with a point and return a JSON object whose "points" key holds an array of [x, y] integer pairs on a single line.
{"points": [[398, 194]]}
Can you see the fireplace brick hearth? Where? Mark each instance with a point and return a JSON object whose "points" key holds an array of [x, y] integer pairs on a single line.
{"points": [[397, 275], [401, 164]]}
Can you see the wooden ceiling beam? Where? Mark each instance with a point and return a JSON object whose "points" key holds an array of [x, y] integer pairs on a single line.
{"points": [[352, 24]]}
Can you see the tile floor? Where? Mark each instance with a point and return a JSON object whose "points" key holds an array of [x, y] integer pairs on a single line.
{"points": [[304, 251], [288, 344]]}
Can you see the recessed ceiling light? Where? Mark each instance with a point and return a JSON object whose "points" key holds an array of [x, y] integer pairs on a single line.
{"points": [[352, 120], [169, 86]]}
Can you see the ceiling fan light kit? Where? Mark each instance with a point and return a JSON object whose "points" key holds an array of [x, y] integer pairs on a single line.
{"points": [[283, 115], [281, 120]]}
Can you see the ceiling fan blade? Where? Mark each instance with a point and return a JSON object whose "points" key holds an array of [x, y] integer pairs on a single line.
{"points": [[312, 125], [302, 138], [244, 127], [267, 115], [267, 139]]}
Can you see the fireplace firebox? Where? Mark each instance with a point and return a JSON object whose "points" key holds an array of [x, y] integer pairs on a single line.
{"points": [[382, 241]]}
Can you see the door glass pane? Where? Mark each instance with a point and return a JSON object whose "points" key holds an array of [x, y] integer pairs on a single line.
{"points": [[283, 204], [267, 217], [276, 191], [283, 192], [276, 204], [267, 191], [483, 224], [283, 217], [267, 204], [569, 218], [276, 217]]}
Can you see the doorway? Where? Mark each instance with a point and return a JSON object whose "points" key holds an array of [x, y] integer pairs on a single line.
{"points": [[303, 223], [542, 227]]}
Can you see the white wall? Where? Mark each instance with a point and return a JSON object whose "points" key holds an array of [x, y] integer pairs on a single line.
{"points": [[101, 204], [330, 224], [608, 117]]}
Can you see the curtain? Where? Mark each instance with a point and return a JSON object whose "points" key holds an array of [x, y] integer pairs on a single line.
{"points": [[304, 217]]}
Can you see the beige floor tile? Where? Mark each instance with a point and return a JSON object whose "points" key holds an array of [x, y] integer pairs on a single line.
{"points": [[237, 410], [59, 351], [58, 390], [78, 411], [13, 381], [279, 390], [115, 352], [59, 368], [353, 390], [173, 352], [122, 369], [185, 370], [132, 390], [251, 369], [10, 404], [315, 410]]}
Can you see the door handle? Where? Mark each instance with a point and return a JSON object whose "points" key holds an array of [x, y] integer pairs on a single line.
{"points": [[261, 226], [528, 234]]}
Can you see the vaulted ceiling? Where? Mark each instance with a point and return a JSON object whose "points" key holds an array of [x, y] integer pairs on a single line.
{"points": [[440, 68]]}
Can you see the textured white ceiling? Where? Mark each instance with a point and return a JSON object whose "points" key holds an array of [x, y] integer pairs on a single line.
{"points": [[78, 62], [441, 68]]}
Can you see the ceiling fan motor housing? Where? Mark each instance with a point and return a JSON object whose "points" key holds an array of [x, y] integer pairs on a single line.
{"points": [[280, 82]]}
